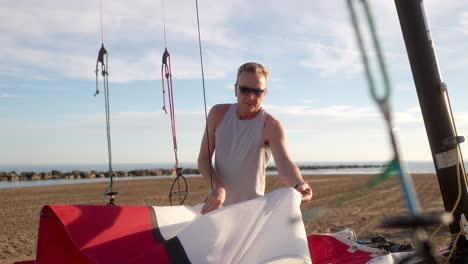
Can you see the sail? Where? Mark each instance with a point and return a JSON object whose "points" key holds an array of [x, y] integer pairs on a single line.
{"points": [[268, 229], [262, 230]]}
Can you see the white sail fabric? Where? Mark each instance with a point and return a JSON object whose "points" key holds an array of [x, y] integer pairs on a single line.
{"points": [[268, 229]]}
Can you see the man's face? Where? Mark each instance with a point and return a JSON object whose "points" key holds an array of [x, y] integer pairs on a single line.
{"points": [[250, 90]]}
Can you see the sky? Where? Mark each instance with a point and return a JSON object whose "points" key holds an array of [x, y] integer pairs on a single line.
{"points": [[317, 89]]}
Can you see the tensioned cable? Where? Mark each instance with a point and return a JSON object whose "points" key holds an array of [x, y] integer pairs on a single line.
{"points": [[102, 31], [204, 95], [166, 70], [164, 23], [382, 101], [103, 60], [166, 73], [454, 127], [460, 162], [384, 105]]}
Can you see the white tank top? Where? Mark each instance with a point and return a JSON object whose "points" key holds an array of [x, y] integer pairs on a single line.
{"points": [[241, 157]]}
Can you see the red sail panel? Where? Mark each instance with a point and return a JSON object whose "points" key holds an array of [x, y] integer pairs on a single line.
{"points": [[97, 234]]}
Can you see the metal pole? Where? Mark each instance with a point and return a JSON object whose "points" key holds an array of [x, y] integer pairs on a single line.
{"points": [[435, 110]]}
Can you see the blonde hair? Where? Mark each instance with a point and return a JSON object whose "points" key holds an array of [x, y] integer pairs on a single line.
{"points": [[252, 67]]}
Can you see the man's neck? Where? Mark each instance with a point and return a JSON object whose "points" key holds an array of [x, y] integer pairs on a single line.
{"points": [[247, 115]]}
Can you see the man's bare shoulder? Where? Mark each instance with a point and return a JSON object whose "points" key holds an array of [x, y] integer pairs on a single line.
{"points": [[271, 122], [272, 129], [218, 111], [220, 108]]}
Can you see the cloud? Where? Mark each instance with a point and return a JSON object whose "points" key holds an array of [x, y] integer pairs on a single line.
{"points": [[6, 96], [81, 138], [414, 109], [464, 22], [326, 38], [60, 39], [461, 118], [41, 19], [408, 117], [309, 101], [138, 120], [47, 36], [139, 136], [340, 112], [49, 63], [55, 35], [329, 61]]}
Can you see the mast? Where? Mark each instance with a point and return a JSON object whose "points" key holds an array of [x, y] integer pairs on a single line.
{"points": [[435, 108]]}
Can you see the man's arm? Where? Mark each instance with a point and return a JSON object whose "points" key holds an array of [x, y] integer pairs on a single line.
{"points": [[217, 196], [288, 171]]}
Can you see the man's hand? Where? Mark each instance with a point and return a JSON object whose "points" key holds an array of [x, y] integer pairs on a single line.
{"points": [[305, 190], [214, 200]]}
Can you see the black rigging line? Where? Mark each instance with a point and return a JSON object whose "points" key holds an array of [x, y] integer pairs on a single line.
{"points": [[204, 94], [164, 24], [102, 31]]}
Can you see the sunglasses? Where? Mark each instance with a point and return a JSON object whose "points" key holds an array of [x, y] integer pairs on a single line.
{"points": [[247, 90]]}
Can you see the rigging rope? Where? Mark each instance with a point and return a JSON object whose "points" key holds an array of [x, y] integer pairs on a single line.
{"points": [[382, 101], [415, 219], [381, 98], [102, 59], [204, 93], [102, 31], [164, 23], [460, 162], [166, 74], [407, 186]]}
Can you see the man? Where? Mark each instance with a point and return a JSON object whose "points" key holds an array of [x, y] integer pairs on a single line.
{"points": [[245, 137]]}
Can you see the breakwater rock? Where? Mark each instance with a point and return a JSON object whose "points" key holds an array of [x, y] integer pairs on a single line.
{"points": [[76, 174]]}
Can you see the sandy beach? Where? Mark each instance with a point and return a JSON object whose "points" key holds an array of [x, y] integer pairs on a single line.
{"points": [[335, 206]]}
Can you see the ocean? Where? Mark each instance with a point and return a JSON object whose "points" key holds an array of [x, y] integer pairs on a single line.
{"points": [[332, 168], [412, 166]]}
